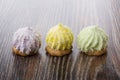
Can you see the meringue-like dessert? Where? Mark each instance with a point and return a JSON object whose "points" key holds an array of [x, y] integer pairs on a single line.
{"points": [[59, 40], [92, 40], [26, 41]]}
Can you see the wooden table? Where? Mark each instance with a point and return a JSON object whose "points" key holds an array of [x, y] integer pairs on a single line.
{"points": [[42, 15]]}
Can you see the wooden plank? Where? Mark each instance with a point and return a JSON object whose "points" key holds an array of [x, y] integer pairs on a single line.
{"points": [[42, 15]]}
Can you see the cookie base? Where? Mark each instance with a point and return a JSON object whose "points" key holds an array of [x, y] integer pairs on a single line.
{"points": [[17, 52], [96, 53], [54, 52]]}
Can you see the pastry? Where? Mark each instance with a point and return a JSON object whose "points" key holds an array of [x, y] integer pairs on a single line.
{"points": [[26, 41], [92, 40], [59, 40]]}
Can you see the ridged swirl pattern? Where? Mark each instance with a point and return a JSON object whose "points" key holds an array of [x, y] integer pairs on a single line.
{"points": [[27, 40], [59, 37], [92, 38]]}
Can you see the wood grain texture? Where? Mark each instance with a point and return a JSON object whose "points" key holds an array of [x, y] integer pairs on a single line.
{"points": [[42, 15]]}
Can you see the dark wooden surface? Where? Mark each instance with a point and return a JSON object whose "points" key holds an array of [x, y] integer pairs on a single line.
{"points": [[42, 15]]}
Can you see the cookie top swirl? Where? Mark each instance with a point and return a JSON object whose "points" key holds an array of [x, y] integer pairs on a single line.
{"points": [[92, 38], [26, 40], [59, 37]]}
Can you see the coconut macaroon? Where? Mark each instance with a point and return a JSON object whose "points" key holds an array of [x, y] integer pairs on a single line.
{"points": [[59, 40], [26, 41], [92, 40]]}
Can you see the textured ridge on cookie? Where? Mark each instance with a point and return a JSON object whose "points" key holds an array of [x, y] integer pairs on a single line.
{"points": [[59, 37], [21, 53], [54, 52], [97, 53], [26, 40]]}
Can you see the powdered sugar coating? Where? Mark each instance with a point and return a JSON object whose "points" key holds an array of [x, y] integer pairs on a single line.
{"points": [[26, 40]]}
